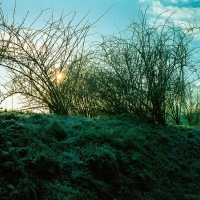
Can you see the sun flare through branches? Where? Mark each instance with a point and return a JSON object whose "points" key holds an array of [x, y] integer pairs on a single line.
{"points": [[59, 77]]}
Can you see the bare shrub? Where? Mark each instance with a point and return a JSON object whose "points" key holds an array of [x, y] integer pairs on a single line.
{"points": [[46, 65], [144, 69]]}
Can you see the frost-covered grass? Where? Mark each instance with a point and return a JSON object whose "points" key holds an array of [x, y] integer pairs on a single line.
{"points": [[72, 158]]}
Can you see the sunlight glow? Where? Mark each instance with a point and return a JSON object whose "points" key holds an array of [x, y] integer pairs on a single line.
{"points": [[59, 77]]}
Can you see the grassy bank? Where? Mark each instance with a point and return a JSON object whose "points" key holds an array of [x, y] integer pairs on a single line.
{"points": [[72, 158]]}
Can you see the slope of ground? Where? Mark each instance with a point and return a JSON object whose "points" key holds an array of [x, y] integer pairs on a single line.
{"points": [[72, 158]]}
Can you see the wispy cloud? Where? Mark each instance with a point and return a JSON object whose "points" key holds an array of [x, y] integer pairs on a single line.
{"points": [[174, 1], [183, 16], [144, 1]]}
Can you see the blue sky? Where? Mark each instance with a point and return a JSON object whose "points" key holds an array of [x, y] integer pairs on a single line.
{"points": [[119, 15]]}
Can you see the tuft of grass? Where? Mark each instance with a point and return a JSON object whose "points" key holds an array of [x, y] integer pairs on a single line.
{"points": [[57, 131]]}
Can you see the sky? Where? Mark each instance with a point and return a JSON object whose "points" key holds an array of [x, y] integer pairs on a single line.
{"points": [[118, 13]]}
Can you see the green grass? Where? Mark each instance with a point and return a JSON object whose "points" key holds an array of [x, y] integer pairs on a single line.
{"points": [[120, 158]]}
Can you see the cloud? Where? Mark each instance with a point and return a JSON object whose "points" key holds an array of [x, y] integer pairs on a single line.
{"points": [[143, 1], [174, 1], [198, 84], [186, 16]]}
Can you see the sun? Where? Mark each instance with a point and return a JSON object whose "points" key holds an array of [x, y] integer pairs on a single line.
{"points": [[59, 77]]}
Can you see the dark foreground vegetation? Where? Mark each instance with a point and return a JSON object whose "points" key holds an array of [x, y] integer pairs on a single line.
{"points": [[120, 158]]}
